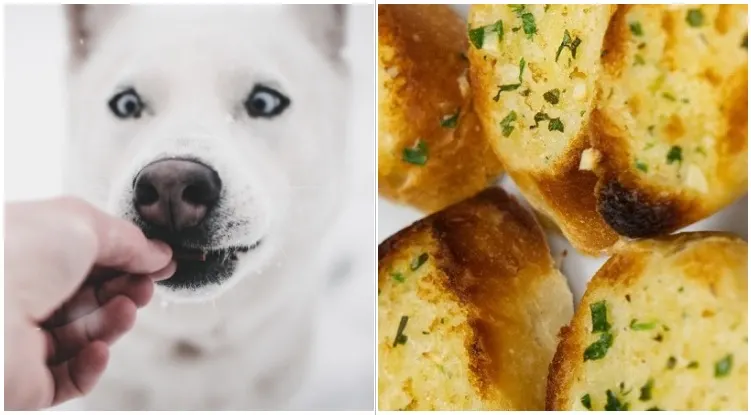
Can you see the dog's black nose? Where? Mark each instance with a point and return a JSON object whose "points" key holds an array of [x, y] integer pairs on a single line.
{"points": [[175, 193]]}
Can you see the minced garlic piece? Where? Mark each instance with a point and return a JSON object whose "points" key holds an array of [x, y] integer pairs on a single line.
{"points": [[695, 178], [589, 159]]}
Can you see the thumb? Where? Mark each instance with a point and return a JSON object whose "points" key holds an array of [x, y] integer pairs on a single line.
{"points": [[61, 240]]}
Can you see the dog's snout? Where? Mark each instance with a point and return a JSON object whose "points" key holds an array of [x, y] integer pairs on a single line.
{"points": [[176, 193]]}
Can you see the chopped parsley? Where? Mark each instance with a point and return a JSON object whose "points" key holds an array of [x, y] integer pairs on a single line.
{"points": [[675, 154], [636, 28], [645, 393], [528, 24], [668, 96], [599, 313], [613, 404], [418, 261], [701, 151], [651, 130], [671, 362], [654, 408], [416, 155], [505, 88], [744, 44], [657, 83], [639, 60], [693, 364], [511, 87], [635, 325], [528, 19], [722, 367], [449, 121], [401, 338], [477, 35], [555, 124], [572, 45], [547, 6], [640, 165], [540, 116], [526, 92], [506, 123], [397, 276], [695, 18], [586, 401], [599, 348], [552, 96]]}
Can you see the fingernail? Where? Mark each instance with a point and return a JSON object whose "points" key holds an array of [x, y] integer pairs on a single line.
{"points": [[165, 272], [161, 247]]}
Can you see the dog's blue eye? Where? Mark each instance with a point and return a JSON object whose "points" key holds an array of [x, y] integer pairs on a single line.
{"points": [[126, 104], [265, 102]]}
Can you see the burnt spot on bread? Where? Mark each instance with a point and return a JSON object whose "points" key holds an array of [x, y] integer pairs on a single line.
{"points": [[634, 214]]}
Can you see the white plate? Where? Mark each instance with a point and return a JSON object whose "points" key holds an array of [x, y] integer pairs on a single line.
{"points": [[577, 268]]}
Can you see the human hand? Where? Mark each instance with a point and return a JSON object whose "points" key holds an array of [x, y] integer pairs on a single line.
{"points": [[74, 278]]}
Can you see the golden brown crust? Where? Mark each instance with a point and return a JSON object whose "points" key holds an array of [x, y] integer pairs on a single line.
{"points": [[708, 265], [422, 81], [632, 202], [494, 260], [555, 187], [568, 190], [475, 254], [618, 270]]}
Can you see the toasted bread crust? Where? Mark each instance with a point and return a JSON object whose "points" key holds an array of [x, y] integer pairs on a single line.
{"points": [[712, 264], [639, 204], [492, 260], [663, 158], [422, 81], [550, 179]]}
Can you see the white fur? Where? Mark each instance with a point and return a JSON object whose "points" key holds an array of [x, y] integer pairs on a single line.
{"points": [[194, 66]]}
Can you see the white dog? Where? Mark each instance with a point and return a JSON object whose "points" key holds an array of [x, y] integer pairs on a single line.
{"points": [[220, 130]]}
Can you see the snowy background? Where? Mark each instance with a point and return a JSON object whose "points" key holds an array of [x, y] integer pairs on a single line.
{"points": [[35, 128]]}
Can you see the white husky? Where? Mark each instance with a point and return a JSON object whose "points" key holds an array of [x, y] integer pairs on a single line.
{"points": [[219, 129]]}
